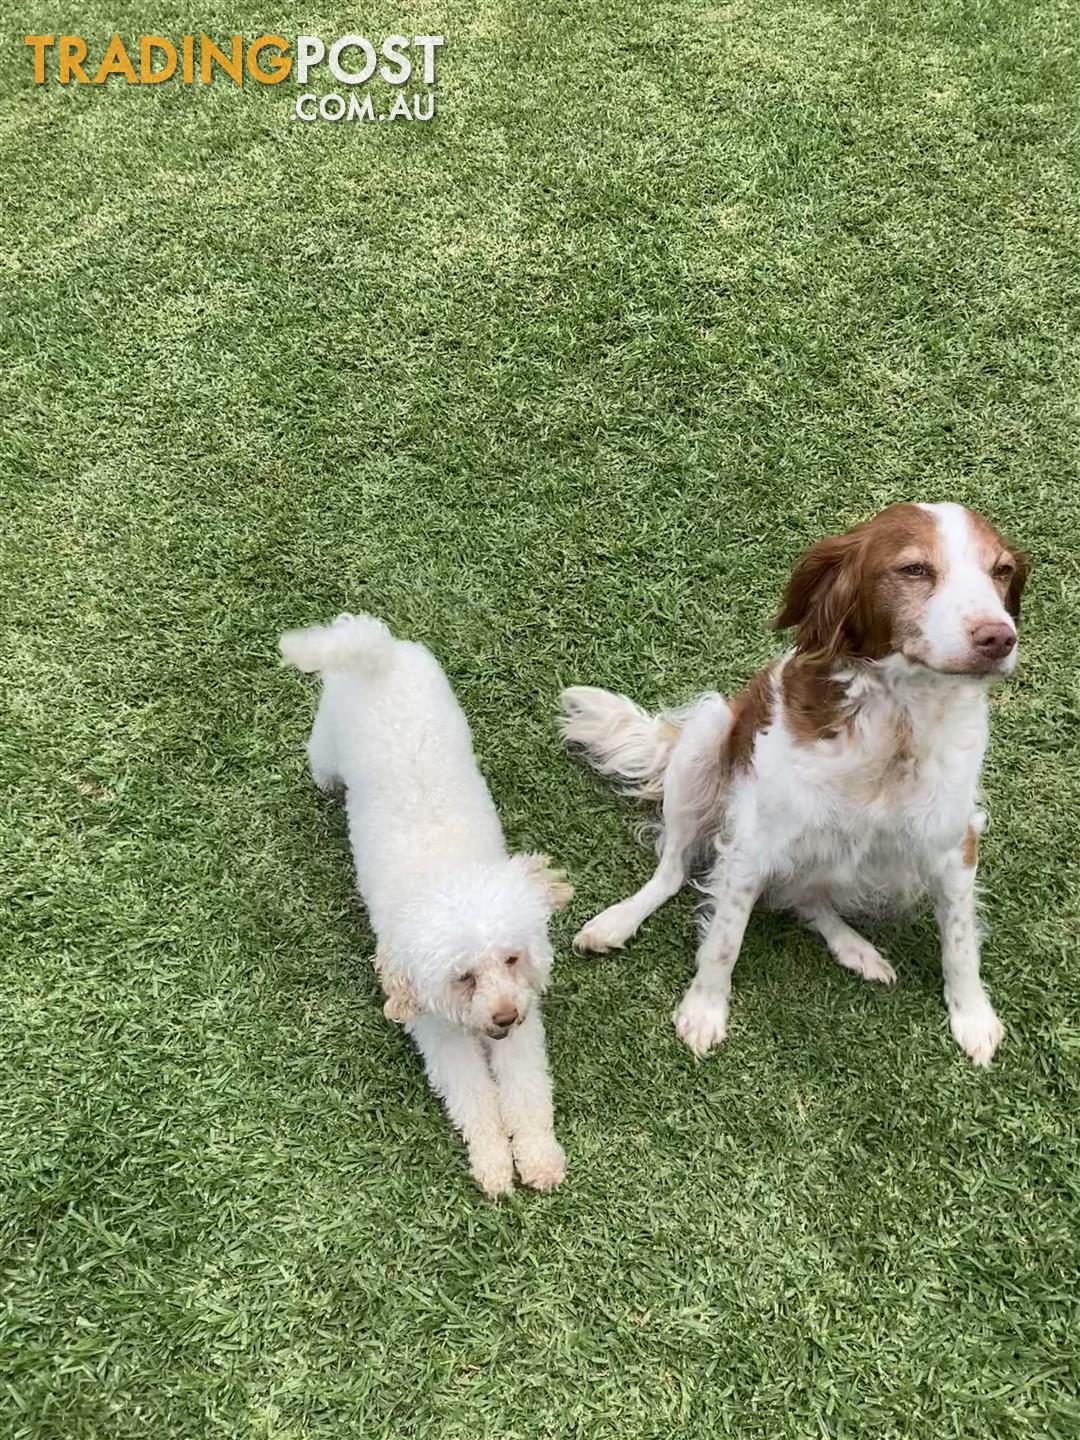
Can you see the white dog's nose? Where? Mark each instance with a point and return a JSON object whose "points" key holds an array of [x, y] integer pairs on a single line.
{"points": [[504, 1018]]}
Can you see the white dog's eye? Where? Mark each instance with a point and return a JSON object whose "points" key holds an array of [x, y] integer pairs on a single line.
{"points": [[468, 980], [512, 960]]}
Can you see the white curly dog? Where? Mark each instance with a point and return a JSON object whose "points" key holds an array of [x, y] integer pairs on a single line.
{"points": [[462, 946]]}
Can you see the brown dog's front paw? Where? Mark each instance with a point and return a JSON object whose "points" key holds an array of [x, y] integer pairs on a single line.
{"points": [[977, 1030], [701, 1020]]}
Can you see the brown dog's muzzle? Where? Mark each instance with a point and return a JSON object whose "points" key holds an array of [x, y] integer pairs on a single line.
{"points": [[993, 640]]}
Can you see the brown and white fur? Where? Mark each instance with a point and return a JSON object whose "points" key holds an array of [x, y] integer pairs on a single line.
{"points": [[845, 778]]}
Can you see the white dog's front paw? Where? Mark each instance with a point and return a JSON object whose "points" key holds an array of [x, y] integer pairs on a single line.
{"points": [[861, 957], [701, 1020], [606, 931], [492, 1168], [541, 1164], [977, 1030]]}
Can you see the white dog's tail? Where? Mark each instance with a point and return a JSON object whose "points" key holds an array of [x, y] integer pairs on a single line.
{"points": [[619, 737], [352, 642]]}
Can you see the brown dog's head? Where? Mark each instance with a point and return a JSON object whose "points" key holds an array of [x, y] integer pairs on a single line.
{"points": [[934, 584]]}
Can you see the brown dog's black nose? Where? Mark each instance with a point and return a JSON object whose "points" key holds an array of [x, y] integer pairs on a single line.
{"points": [[505, 1018], [993, 640]]}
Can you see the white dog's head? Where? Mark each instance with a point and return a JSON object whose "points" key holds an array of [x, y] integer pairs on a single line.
{"points": [[473, 946]]}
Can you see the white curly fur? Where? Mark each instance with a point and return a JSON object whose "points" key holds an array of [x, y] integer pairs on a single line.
{"points": [[463, 951]]}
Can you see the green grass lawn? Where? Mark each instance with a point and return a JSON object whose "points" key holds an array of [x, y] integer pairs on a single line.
{"points": [[559, 383]]}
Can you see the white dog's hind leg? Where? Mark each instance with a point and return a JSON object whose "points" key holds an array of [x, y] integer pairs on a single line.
{"points": [[691, 789], [847, 946], [701, 1016], [458, 1073], [519, 1064], [975, 1027]]}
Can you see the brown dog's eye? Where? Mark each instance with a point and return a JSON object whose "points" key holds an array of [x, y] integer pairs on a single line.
{"points": [[1004, 571], [915, 571]]}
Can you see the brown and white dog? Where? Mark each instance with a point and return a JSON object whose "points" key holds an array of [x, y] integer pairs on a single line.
{"points": [[845, 778]]}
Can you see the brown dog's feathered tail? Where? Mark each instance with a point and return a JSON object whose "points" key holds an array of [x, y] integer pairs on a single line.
{"points": [[619, 738]]}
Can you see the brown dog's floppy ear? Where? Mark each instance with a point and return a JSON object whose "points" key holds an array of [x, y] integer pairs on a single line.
{"points": [[400, 1005], [557, 889], [1018, 581], [821, 598]]}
